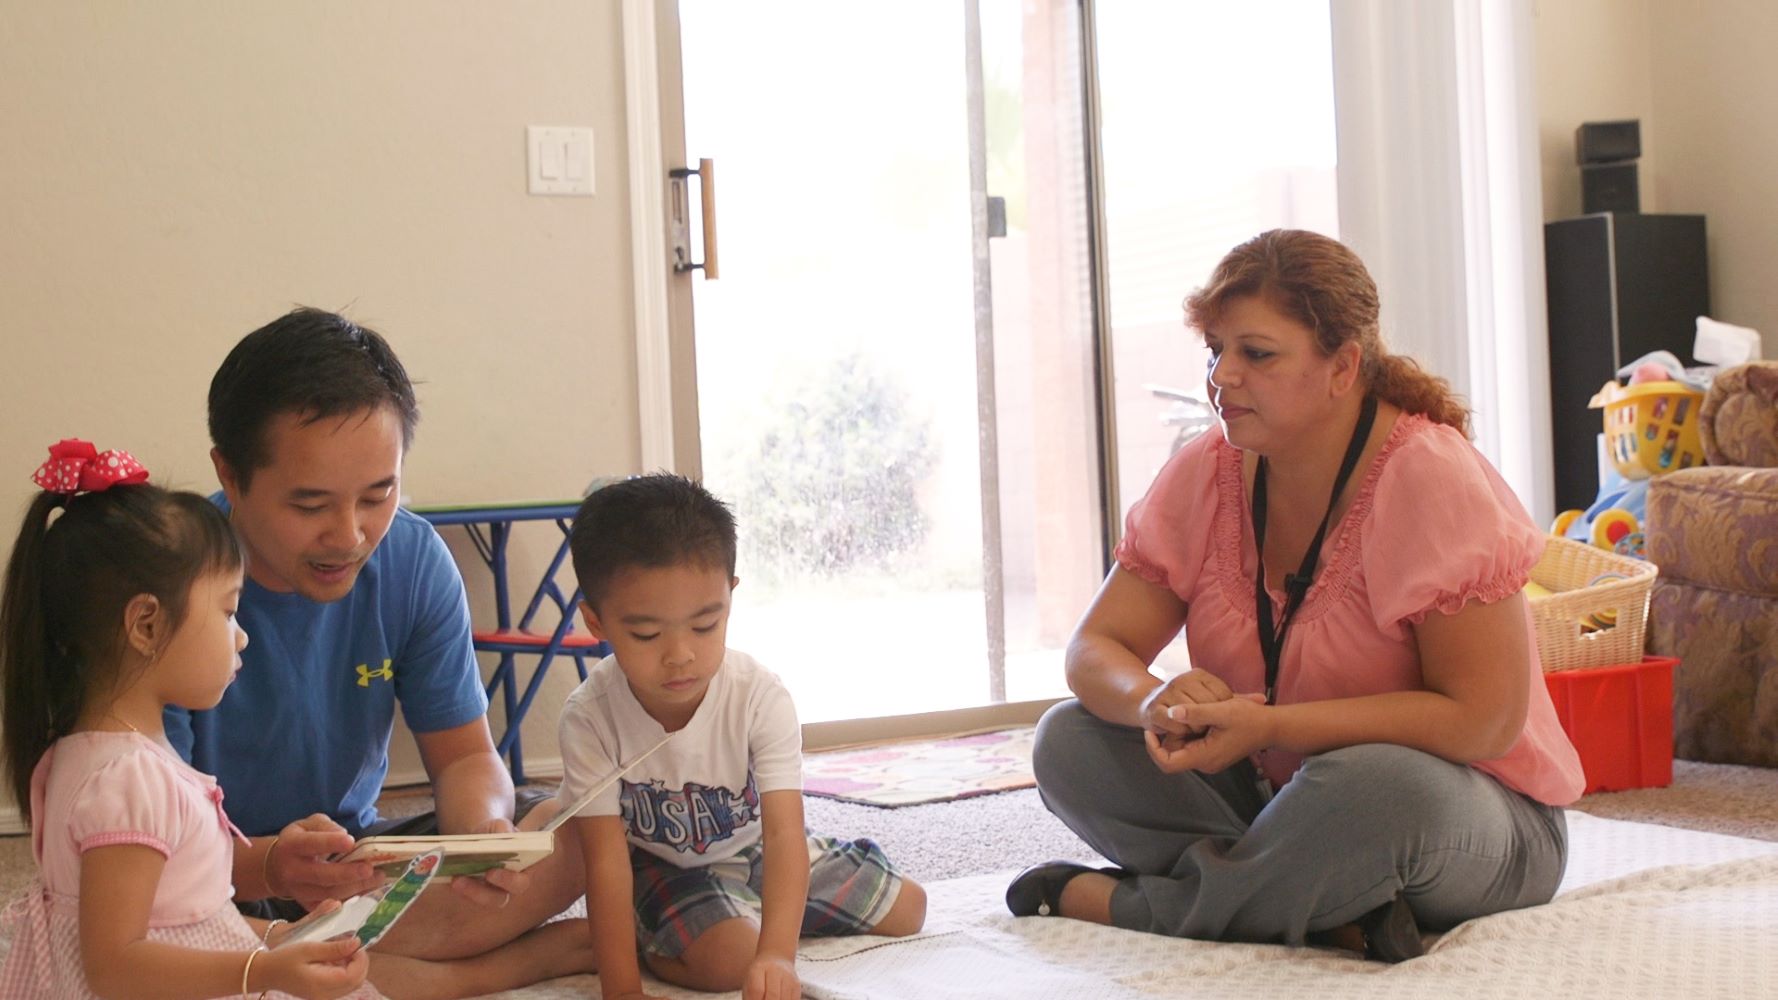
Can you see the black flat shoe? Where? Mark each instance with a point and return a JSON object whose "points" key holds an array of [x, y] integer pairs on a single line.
{"points": [[1391, 934], [1037, 891]]}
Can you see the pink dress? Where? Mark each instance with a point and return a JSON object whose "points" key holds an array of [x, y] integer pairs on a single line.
{"points": [[1433, 527], [96, 790]]}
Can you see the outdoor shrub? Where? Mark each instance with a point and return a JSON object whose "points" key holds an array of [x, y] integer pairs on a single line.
{"points": [[831, 481]]}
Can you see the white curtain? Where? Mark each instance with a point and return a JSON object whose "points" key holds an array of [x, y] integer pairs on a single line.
{"points": [[1439, 192]]}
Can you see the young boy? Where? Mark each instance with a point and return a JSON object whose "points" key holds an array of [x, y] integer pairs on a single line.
{"points": [[706, 834]]}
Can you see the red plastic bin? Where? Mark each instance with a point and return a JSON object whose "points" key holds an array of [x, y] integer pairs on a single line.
{"points": [[1620, 719]]}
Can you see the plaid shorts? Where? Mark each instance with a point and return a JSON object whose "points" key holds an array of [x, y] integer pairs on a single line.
{"points": [[851, 889]]}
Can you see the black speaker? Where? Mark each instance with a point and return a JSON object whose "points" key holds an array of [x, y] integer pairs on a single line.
{"points": [[1607, 142], [1609, 187], [1619, 286]]}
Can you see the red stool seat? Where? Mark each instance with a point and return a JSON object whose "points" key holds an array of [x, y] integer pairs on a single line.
{"points": [[519, 637]]}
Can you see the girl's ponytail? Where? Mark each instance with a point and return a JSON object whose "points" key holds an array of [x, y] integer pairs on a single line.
{"points": [[41, 690], [70, 579]]}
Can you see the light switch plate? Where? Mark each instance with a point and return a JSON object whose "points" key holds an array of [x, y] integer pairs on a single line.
{"points": [[559, 159]]}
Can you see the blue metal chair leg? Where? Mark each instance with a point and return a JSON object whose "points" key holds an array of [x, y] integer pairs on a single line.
{"points": [[503, 680]]}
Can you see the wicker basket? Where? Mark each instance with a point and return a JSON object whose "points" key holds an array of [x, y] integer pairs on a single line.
{"points": [[1568, 568]]}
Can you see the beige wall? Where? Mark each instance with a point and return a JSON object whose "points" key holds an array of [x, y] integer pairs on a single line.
{"points": [[1593, 64], [174, 175], [1701, 77], [1715, 82]]}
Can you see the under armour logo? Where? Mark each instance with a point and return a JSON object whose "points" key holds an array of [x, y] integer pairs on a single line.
{"points": [[365, 673]]}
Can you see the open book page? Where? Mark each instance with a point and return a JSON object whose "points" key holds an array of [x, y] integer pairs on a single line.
{"points": [[592, 793]]}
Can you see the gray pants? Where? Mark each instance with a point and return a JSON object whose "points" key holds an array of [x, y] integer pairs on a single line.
{"points": [[1349, 831]]}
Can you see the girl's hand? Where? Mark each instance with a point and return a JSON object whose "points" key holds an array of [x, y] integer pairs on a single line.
{"points": [[771, 978], [1194, 687], [318, 970], [1233, 729], [297, 866]]}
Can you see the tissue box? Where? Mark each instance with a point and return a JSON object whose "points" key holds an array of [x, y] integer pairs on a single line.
{"points": [[1724, 344], [1620, 719]]}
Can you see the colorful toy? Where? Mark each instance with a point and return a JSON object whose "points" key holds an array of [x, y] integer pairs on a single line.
{"points": [[1613, 522], [1606, 617], [1651, 429]]}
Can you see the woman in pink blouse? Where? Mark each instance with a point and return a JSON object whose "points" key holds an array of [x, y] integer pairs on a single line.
{"points": [[1364, 746]]}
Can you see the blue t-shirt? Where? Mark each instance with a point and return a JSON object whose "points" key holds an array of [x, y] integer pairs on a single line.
{"points": [[305, 726]]}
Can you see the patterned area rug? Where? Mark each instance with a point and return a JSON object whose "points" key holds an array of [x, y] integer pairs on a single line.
{"points": [[911, 773]]}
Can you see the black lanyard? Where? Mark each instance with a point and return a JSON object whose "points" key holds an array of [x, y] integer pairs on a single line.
{"points": [[1296, 585]]}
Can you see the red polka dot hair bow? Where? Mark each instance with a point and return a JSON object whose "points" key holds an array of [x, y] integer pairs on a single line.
{"points": [[75, 466]]}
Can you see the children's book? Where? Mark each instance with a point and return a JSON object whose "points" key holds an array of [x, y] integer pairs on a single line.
{"points": [[462, 853], [475, 853], [369, 917]]}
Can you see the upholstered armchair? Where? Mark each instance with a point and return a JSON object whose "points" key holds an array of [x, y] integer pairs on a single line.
{"points": [[1713, 531]]}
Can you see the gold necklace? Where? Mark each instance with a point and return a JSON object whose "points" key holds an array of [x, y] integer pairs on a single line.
{"points": [[113, 717]]}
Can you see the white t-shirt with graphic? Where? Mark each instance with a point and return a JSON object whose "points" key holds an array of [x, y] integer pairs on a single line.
{"points": [[695, 801]]}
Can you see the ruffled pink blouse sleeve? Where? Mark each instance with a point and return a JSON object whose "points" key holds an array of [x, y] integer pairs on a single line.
{"points": [[1445, 530], [126, 801], [1167, 533]]}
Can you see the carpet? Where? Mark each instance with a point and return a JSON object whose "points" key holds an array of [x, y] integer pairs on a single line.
{"points": [[921, 771]]}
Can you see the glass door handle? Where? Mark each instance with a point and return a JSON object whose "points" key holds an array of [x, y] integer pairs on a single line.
{"points": [[705, 172]]}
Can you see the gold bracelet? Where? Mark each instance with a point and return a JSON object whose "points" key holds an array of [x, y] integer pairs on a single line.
{"points": [[265, 867], [247, 970], [266, 938]]}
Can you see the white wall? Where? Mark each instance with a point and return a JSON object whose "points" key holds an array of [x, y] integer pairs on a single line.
{"points": [[175, 175]]}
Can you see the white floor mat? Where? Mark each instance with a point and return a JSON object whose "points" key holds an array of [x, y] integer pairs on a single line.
{"points": [[1644, 911]]}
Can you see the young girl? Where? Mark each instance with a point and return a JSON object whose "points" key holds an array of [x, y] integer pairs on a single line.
{"points": [[120, 600]]}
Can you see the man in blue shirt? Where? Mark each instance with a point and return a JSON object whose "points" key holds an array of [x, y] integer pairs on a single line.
{"points": [[356, 606]]}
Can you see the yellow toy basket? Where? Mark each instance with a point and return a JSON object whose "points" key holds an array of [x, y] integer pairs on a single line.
{"points": [[1651, 428]]}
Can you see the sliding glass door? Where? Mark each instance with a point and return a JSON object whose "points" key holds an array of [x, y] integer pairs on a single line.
{"points": [[894, 368], [940, 360]]}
